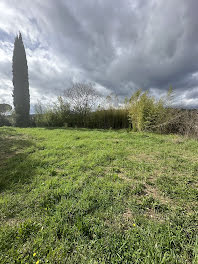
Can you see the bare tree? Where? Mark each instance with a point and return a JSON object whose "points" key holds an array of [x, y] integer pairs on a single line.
{"points": [[82, 98]]}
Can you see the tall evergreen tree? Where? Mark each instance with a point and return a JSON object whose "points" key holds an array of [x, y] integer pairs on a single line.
{"points": [[21, 96]]}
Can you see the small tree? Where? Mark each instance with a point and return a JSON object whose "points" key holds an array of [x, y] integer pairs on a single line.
{"points": [[147, 113], [56, 114], [21, 96], [4, 109], [82, 98]]}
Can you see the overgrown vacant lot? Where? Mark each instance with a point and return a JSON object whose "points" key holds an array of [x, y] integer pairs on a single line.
{"points": [[89, 196]]}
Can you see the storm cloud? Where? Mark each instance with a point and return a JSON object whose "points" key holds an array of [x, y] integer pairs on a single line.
{"points": [[120, 45]]}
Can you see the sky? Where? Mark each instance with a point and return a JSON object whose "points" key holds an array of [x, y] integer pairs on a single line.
{"points": [[118, 45]]}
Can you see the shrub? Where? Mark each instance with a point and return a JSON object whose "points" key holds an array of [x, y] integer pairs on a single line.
{"points": [[63, 114], [4, 121], [108, 118], [57, 115], [146, 113], [4, 118], [184, 122]]}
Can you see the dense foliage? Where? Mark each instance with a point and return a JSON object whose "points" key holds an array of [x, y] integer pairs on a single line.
{"points": [[21, 96], [60, 115], [147, 113], [82, 106], [5, 109], [142, 113]]}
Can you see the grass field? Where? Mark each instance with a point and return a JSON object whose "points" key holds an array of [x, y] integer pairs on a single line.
{"points": [[90, 196]]}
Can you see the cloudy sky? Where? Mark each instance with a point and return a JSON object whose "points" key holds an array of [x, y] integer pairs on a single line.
{"points": [[120, 45]]}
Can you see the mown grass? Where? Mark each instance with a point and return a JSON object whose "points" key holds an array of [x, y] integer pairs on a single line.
{"points": [[90, 196]]}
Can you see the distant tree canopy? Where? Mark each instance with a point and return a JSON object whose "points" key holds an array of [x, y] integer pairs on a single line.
{"points": [[82, 98], [21, 96], [80, 107], [148, 114], [5, 108]]}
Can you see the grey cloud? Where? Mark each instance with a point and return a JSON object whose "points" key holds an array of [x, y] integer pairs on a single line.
{"points": [[192, 94], [121, 45]]}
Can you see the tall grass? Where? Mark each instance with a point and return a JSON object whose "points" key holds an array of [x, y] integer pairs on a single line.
{"points": [[141, 112], [60, 114]]}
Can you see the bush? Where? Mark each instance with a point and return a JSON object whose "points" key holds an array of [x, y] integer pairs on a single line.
{"points": [[56, 116], [142, 112], [4, 121], [184, 122], [5, 109], [146, 113], [108, 118], [62, 114]]}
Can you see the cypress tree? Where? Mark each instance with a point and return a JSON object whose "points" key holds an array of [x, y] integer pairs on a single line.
{"points": [[21, 96]]}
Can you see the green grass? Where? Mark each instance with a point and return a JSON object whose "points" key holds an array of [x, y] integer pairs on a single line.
{"points": [[90, 196]]}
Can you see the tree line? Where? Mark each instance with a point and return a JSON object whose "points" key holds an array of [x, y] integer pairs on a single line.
{"points": [[80, 106], [83, 106]]}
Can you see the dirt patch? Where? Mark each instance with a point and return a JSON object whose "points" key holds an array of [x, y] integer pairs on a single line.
{"points": [[122, 222], [152, 191], [149, 190], [128, 215], [178, 140], [142, 157], [153, 215], [12, 221], [123, 177]]}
